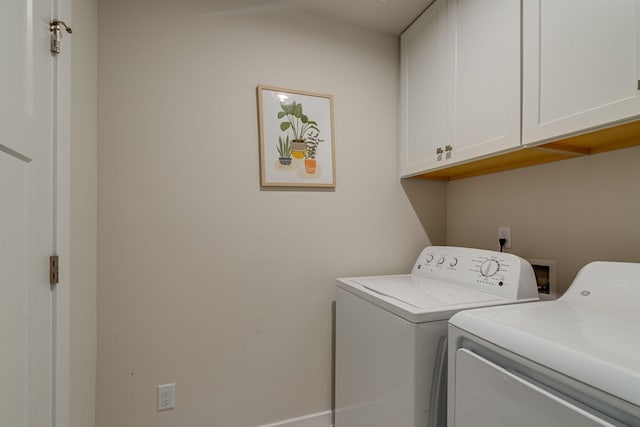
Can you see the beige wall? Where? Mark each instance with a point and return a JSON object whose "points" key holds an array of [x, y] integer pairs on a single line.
{"points": [[206, 280], [83, 245], [574, 211]]}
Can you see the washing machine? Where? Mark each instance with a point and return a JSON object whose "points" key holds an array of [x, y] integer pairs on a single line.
{"points": [[391, 332], [573, 362]]}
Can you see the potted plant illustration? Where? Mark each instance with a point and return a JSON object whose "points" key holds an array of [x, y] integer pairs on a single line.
{"points": [[310, 155], [298, 123], [284, 151]]}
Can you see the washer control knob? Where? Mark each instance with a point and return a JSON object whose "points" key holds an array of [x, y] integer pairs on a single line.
{"points": [[453, 262], [489, 268], [428, 258], [441, 260]]}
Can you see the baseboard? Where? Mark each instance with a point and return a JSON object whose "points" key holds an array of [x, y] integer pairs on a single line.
{"points": [[321, 419]]}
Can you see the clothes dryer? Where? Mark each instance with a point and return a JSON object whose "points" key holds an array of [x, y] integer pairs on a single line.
{"points": [[573, 362]]}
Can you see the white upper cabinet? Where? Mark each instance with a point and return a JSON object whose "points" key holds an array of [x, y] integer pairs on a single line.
{"points": [[581, 66], [460, 83], [484, 103], [423, 108]]}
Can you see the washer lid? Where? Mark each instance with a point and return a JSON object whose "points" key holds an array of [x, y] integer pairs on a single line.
{"points": [[418, 299], [422, 293]]}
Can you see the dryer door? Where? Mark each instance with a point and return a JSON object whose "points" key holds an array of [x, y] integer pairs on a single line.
{"points": [[487, 395]]}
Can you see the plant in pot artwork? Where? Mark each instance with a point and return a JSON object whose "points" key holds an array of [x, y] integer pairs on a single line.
{"points": [[284, 151], [296, 138], [312, 147], [299, 125]]}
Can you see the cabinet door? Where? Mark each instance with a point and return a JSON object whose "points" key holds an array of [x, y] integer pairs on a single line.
{"points": [[423, 106], [484, 108], [581, 65]]}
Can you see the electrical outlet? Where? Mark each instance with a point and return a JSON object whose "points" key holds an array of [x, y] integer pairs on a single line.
{"points": [[166, 396], [504, 233]]}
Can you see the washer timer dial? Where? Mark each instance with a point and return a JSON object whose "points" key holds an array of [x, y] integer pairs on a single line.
{"points": [[489, 267]]}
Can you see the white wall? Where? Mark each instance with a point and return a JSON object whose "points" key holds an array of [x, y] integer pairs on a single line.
{"points": [[83, 245], [206, 280], [574, 211]]}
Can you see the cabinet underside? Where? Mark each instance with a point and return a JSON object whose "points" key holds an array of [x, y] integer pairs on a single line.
{"points": [[611, 138]]}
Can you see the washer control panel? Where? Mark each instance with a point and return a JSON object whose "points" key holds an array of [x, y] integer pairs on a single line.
{"points": [[498, 273], [493, 270]]}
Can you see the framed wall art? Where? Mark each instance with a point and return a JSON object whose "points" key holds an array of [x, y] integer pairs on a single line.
{"points": [[296, 138]]}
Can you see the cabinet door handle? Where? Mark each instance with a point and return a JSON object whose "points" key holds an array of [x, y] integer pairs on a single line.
{"points": [[439, 150], [448, 148]]}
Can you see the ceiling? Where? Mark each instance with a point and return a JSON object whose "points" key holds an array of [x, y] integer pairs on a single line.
{"points": [[385, 16]]}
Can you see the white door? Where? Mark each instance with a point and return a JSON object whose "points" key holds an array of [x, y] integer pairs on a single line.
{"points": [[484, 73], [423, 105], [581, 65], [460, 83], [26, 214], [486, 395]]}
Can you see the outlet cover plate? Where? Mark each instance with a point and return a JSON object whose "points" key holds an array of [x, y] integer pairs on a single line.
{"points": [[166, 396], [505, 232]]}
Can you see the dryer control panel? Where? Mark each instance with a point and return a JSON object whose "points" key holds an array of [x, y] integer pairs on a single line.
{"points": [[502, 274]]}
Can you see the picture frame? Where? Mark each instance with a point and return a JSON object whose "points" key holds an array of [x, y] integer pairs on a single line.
{"points": [[297, 138]]}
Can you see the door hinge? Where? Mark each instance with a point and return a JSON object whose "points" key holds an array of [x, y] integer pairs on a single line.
{"points": [[55, 27], [54, 264]]}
